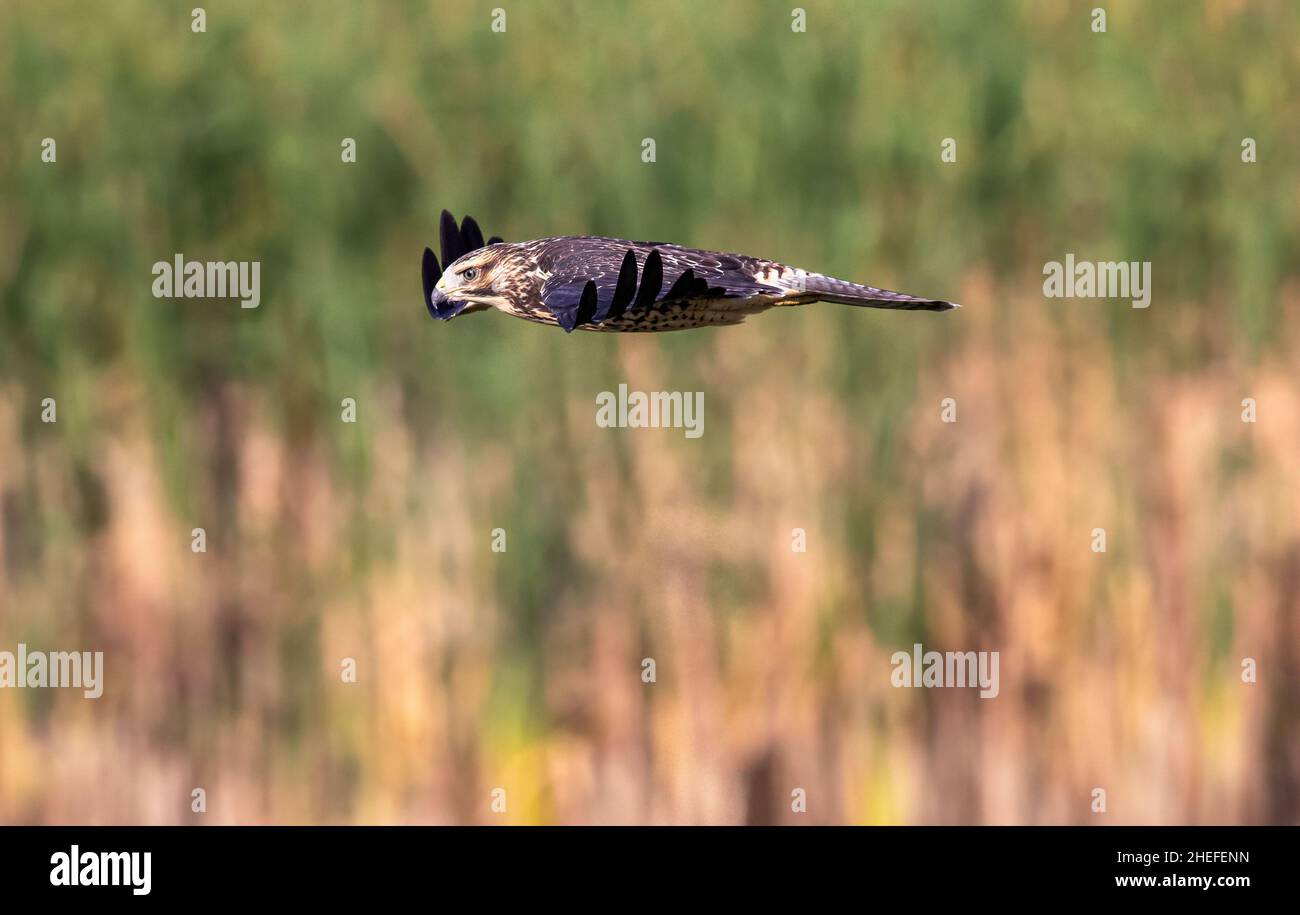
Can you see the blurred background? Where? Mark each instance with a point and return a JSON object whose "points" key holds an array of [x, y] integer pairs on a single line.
{"points": [[522, 670]]}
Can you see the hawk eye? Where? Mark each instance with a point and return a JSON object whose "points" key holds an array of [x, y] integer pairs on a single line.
{"points": [[470, 273]]}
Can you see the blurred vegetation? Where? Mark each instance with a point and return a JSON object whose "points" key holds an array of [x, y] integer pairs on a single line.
{"points": [[371, 540]]}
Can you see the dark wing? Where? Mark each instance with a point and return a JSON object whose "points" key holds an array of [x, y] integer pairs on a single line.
{"points": [[457, 241], [591, 280]]}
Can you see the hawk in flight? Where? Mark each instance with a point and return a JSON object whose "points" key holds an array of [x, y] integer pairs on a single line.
{"points": [[608, 284]]}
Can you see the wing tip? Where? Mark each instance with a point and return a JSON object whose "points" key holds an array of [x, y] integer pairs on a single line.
{"points": [[458, 239]]}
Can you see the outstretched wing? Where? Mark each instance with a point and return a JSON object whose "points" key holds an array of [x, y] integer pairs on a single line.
{"points": [[457, 241], [592, 280]]}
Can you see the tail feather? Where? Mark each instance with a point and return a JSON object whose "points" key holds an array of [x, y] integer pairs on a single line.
{"points": [[829, 289]]}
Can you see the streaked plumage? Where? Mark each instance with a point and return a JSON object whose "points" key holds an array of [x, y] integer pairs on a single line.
{"points": [[590, 282]]}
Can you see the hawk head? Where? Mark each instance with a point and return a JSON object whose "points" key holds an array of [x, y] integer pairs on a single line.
{"points": [[470, 284], [473, 280]]}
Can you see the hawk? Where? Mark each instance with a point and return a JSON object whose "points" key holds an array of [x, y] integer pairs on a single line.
{"points": [[588, 282]]}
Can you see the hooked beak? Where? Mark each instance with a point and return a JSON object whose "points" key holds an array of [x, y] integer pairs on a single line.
{"points": [[443, 308], [439, 304]]}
